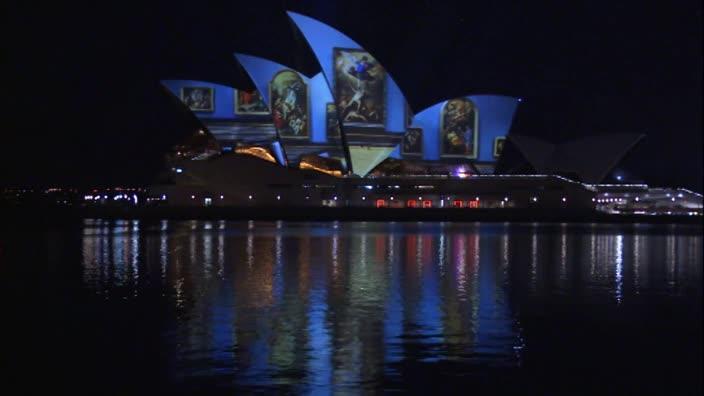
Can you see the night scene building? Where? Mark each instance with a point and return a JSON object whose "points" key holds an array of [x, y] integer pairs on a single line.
{"points": [[346, 137]]}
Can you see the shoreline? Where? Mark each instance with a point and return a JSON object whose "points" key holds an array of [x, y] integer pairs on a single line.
{"points": [[52, 215]]}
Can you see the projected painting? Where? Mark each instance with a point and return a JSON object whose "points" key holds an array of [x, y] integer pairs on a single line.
{"points": [[289, 97], [332, 125], [412, 142], [359, 87], [458, 129], [198, 98], [250, 102], [499, 146]]}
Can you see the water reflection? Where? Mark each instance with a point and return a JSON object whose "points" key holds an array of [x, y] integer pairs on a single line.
{"points": [[320, 306]]}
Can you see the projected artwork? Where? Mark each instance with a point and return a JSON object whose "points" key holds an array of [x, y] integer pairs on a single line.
{"points": [[359, 87], [412, 142], [458, 129], [499, 146], [289, 97], [198, 98], [331, 122], [250, 102]]}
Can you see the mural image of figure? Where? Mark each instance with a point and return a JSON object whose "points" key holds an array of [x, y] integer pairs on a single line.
{"points": [[458, 129], [359, 86], [197, 98], [289, 95], [250, 102], [413, 142]]}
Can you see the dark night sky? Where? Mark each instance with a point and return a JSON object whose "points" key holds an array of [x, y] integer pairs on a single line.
{"points": [[84, 104]]}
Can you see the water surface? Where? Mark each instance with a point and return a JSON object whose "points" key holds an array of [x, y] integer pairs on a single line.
{"points": [[202, 307]]}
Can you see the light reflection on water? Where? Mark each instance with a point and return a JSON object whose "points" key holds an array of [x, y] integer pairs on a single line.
{"points": [[343, 305]]}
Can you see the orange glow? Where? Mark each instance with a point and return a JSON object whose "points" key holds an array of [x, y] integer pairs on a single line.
{"points": [[411, 203], [259, 152], [473, 204], [331, 172], [380, 203]]}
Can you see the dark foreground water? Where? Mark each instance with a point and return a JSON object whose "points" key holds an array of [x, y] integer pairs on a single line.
{"points": [[201, 307]]}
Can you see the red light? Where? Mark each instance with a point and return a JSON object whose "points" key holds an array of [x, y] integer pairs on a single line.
{"points": [[473, 204], [458, 203], [427, 203], [380, 203], [411, 203]]}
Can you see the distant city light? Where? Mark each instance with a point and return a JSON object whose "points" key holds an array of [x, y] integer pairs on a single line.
{"points": [[564, 199], [179, 170]]}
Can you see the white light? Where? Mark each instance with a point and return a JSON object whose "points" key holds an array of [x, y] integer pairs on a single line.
{"points": [[222, 197], [594, 199], [250, 197], [368, 187], [392, 198], [637, 199], [535, 199], [193, 197], [476, 198], [335, 197], [506, 199], [278, 197], [619, 178], [364, 198], [88, 197], [420, 198], [106, 197], [307, 197], [680, 195], [564, 199], [163, 197], [179, 170], [673, 199]]}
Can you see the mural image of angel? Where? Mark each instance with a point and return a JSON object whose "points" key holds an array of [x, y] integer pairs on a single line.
{"points": [[359, 86]]}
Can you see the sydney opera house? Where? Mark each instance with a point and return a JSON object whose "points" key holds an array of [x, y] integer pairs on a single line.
{"points": [[346, 137]]}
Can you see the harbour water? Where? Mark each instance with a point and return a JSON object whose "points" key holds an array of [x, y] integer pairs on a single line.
{"points": [[221, 307]]}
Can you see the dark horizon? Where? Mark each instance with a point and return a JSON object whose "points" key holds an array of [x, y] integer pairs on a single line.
{"points": [[85, 105]]}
